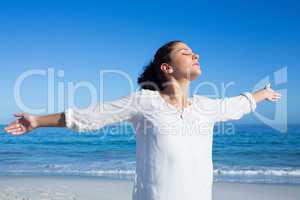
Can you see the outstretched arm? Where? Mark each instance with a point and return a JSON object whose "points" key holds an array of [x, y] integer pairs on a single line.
{"points": [[27, 122], [91, 118], [233, 108]]}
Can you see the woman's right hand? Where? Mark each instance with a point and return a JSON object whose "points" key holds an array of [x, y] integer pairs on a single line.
{"points": [[24, 124]]}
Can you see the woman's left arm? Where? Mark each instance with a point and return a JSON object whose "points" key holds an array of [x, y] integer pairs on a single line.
{"points": [[234, 108]]}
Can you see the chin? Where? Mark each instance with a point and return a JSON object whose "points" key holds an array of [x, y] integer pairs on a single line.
{"points": [[195, 74]]}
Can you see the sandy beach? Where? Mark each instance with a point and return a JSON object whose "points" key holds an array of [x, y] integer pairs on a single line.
{"points": [[90, 188]]}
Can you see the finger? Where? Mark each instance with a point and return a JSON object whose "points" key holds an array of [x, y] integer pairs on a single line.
{"points": [[275, 98], [19, 114], [268, 86], [16, 129], [13, 131], [22, 128], [16, 133], [7, 127], [272, 98], [12, 127]]}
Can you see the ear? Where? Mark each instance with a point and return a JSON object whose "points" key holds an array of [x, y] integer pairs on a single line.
{"points": [[166, 68]]}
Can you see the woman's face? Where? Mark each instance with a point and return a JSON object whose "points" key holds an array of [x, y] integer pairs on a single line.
{"points": [[184, 63]]}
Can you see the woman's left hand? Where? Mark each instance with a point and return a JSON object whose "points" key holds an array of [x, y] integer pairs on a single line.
{"points": [[270, 94]]}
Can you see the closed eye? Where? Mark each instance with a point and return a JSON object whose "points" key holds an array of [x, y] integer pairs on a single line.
{"points": [[188, 54]]}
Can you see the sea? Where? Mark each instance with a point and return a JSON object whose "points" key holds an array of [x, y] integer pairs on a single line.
{"points": [[252, 153]]}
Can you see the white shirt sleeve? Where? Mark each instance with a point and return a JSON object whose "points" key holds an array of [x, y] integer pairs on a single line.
{"points": [[228, 108], [99, 115]]}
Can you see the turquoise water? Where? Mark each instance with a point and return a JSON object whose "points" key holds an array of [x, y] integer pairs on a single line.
{"points": [[253, 154]]}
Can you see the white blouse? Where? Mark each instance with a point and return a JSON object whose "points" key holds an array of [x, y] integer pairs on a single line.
{"points": [[173, 148]]}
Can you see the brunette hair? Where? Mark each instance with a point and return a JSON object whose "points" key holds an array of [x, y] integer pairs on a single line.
{"points": [[152, 77]]}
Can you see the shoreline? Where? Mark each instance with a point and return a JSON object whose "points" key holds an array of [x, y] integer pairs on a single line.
{"points": [[90, 188]]}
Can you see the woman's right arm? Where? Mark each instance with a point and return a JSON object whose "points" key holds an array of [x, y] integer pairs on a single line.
{"points": [[27, 122], [91, 118]]}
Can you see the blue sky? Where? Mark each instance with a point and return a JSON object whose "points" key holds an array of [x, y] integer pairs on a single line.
{"points": [[239, 41]]}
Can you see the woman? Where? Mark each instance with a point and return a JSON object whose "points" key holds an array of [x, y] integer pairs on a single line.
{"points": [[173, 131]]}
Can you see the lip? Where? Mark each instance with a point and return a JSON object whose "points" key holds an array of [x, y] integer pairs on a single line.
{"points": [[196, 64]]}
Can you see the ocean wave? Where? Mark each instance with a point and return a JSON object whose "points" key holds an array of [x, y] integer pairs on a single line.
{"points": [[258, 172], [273, 176], [119, 171]]}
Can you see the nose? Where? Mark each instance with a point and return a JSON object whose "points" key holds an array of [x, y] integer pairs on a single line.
{"points": [[196, 56]]}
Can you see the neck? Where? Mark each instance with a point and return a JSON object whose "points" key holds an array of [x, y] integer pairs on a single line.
{"points": [[177, 92]]}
